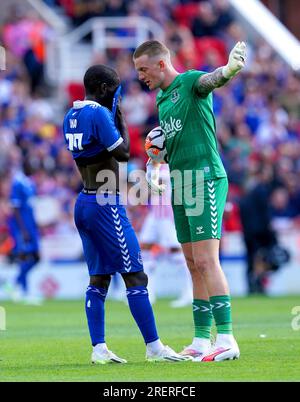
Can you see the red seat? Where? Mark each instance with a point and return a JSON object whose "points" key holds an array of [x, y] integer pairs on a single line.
{"points": [[136, 142], [185, 13], [207, 43], [75, 91]]}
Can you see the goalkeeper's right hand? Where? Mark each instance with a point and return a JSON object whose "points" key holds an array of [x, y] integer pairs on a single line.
{"points": [[152, 177], [236, 60]]}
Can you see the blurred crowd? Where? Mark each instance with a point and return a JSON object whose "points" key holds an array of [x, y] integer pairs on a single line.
{"points": [[258, 113]]}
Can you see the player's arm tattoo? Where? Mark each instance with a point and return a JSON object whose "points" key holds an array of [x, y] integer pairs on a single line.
{"points": [[210, 81]]}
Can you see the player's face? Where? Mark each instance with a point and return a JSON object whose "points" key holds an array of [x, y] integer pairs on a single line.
{"points": [[150, 71]]}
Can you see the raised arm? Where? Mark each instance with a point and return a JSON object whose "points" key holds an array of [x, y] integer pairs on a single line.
{"points": [[210, 81]]}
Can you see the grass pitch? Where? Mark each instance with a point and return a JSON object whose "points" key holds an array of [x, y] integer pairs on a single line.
{"points": [[51, 343]]}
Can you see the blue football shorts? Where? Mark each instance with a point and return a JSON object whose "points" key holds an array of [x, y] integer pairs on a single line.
{"points": [[109, 241]]}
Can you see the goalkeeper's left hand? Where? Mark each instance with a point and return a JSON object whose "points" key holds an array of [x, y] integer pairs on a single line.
{"points": [[152, 177], [236, 61]]}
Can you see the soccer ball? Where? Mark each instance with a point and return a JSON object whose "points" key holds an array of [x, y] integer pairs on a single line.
{"points": [[155, 145]]}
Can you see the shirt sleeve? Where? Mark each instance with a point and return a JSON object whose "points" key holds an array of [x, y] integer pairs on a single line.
{"points": [[191, 78], [200, 73], [106, 131]]}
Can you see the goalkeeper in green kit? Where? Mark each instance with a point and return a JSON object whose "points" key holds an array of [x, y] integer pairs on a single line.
{"points": [[186, 117]]}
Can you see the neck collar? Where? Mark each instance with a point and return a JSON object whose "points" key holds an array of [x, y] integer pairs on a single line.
{"points": [[80, 104]]}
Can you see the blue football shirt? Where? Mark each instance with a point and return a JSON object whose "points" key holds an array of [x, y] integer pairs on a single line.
{"points": [[89, 128]]}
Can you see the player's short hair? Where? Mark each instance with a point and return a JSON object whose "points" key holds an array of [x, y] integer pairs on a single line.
{"points": [[97, 74], [151, 48]]}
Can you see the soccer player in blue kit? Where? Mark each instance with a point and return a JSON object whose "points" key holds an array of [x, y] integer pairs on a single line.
{"points": [[24, 231], [96, 134]]}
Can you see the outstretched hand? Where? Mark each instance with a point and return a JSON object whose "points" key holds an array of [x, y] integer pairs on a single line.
{"points": [[236, 60]]}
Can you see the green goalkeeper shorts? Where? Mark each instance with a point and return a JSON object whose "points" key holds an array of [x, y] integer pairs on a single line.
{"points": [[203, 219]]}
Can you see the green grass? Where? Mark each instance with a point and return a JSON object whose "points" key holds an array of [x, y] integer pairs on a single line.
{"points": [[51, 343]]}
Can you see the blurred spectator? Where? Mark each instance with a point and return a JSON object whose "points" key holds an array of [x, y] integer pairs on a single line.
{"points": [[280, 207], [293, 187], [136, 104], [206, 22], [115, 8], [25, 36], [180, 41], [224, 12], [272, 131], [81, 10], [256, 223]]}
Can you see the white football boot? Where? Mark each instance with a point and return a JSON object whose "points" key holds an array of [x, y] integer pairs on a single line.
{"points": [[101, 355], [199, 348], [225, 348], [166, 354]]}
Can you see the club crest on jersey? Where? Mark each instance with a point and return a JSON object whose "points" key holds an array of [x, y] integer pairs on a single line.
{"points": [[175, 95]]}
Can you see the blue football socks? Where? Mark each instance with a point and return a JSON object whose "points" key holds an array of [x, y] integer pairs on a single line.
{"points": [[94, 308], [142, 312]]}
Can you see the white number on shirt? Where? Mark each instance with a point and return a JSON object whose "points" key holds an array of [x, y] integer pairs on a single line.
{"points": [[75, 141]]}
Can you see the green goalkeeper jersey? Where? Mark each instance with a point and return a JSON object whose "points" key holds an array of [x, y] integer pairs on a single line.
{"points": [[189, 127]]}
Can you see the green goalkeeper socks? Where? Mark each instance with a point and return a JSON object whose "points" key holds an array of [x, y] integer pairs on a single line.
{"points": [[202, 318], [221, 310]]}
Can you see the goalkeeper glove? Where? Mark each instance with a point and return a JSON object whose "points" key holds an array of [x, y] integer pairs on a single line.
{"points": [[152, 177], [236, 60]]}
